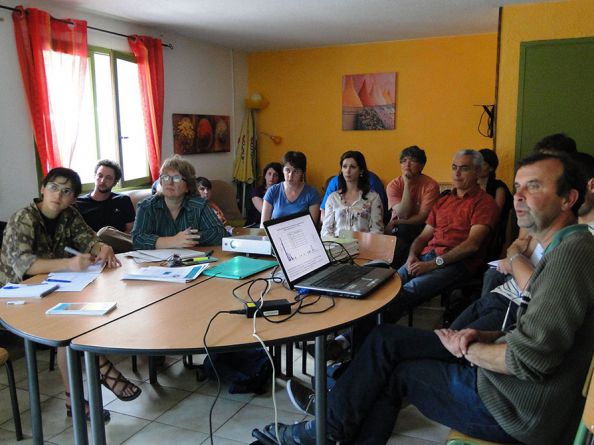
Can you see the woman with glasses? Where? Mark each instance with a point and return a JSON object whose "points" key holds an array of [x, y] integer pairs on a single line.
{"points": [[175, 217], [34, 243], [353, 206], [292, 195]]}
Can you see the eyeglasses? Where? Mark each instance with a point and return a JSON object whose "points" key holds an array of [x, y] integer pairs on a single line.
{"points": [[53, 187], [175, 178]]}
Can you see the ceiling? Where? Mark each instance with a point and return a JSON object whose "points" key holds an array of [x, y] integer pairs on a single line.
{"points": [[265, 25]]}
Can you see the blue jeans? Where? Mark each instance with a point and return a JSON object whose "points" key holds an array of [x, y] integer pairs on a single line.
{"points": [[397, 362], [416, 290], [489, 311]]}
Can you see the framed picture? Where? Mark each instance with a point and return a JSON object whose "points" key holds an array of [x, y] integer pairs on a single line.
{"points": [[369, 101], [200, 133]]}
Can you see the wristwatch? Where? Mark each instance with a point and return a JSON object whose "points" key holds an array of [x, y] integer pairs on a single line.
{"points": [[439, 261]]}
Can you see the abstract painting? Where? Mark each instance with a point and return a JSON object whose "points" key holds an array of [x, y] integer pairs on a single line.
{"points": [[369, 101]]}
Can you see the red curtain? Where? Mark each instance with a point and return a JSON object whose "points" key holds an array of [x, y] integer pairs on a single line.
{"points": [[149, 57], [35, 33]]}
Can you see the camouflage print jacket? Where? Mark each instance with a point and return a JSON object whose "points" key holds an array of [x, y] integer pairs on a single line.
{"points": [[26, 239]]}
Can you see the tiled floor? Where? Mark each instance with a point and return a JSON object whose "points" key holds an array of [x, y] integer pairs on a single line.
{"points": [[176, 410]]}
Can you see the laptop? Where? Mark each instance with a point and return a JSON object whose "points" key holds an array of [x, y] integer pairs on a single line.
{"points": [[306, 265]]}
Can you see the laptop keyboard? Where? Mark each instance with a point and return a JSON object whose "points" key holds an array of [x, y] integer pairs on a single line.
{"points": [[343, 276]]}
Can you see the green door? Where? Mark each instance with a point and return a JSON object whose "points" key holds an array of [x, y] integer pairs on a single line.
{"points": [[556, 93]]}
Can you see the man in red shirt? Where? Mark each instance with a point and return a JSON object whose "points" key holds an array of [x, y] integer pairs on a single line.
{"points": [[453, 243], [410, 199]]}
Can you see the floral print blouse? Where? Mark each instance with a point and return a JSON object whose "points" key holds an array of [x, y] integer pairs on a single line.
{"points": [[363, 215]]}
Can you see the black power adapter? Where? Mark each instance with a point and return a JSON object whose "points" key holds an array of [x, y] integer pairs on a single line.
{"points": [[271, 307]]}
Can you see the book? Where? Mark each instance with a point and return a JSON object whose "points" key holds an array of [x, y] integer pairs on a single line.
{"points": [[168, 274], [239, 267], [11, 290], [94, 308]]}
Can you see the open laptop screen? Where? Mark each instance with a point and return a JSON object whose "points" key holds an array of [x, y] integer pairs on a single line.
{"points": [[297, 244]]}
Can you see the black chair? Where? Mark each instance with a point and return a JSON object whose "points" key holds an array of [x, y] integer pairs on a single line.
{"points": [[5, 360]]}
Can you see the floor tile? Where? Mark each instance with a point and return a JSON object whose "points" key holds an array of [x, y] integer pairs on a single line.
{"points": [[222, 441], [397, 439], [8, 438], [412, 423], [282, 398], [153, 402], [53, 417], [177, 376], [20, 370], [209, 388], [240, 426], [117, 430], [6, 407], [193, 413], [50, 383], [159, 433]]}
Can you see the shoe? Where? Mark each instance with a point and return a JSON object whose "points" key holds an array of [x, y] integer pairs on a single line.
{"points": [[110, 377], [334, 351], [302, 433], [106, 414], [301, 397]]}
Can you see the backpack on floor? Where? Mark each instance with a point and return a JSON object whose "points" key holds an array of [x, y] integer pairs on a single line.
{"points": [[246, 371]]}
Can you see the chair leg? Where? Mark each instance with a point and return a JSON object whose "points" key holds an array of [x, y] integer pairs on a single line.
{"points": [[289, 360], [304, 357], [16, 414], [52, 358], [134, 364]]}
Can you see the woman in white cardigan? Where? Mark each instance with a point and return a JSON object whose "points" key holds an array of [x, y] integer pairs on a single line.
{"points": [[353, 206]]}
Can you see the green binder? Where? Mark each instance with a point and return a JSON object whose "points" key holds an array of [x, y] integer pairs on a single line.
{"points": [[239, 267]]}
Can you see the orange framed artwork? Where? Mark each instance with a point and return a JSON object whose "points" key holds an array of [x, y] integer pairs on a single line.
{"points": [[200, 133], [369, 101]]}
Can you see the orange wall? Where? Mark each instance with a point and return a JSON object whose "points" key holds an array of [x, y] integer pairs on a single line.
{"points": [[522, 23], [439, 81]]}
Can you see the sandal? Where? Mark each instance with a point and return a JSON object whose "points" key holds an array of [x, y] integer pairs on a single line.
{"points": [[106, 414], [111, 378]]}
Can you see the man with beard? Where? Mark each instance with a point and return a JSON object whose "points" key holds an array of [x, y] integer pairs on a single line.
{"points": [[109, 214], [523, 385]]}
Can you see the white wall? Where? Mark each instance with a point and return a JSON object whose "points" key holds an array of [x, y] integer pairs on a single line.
{"points": [[199, 78]]}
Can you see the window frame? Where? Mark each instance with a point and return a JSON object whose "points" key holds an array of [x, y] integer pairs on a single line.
{"points": [[114, 55]]}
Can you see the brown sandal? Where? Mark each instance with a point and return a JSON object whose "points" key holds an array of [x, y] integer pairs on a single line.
{"points": [[116, 379], [106, 414]]}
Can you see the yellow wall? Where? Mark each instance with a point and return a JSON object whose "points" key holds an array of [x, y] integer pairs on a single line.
{"points": [[439, 81], [522, 23]]}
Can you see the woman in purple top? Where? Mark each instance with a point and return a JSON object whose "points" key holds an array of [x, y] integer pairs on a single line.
{"points": [[293, 195], [271, 174]]}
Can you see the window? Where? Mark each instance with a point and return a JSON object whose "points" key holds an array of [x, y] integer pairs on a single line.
{"points": [[111, 123]]}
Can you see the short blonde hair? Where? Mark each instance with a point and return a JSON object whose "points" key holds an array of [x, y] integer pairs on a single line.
{"points": [[185, 169]]}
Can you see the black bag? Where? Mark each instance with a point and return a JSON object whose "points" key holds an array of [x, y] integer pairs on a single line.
{"points": [[245, 371]]}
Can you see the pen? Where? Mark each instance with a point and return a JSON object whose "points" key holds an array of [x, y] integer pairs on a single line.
{"points": [[55, 280], [71, 251], [209, 253], [200, 258]]}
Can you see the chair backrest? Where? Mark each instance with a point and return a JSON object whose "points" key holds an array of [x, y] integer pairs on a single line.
{"points": [[374, 246], [223, 194], [248, 231]]}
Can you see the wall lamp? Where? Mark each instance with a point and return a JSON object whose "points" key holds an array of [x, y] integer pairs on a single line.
{"points": [[275, 139]]}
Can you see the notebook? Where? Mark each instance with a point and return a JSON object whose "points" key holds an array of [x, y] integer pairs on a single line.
{"points": [[306, 265], [239, 267]]}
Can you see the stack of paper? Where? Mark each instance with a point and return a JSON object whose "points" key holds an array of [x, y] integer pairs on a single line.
{"points": [[75, 281], [341, 248], [11, 290], [147, 256], [169, 274]]}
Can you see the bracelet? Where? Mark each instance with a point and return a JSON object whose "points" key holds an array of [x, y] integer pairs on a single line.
{"points": [[513, 257]]}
